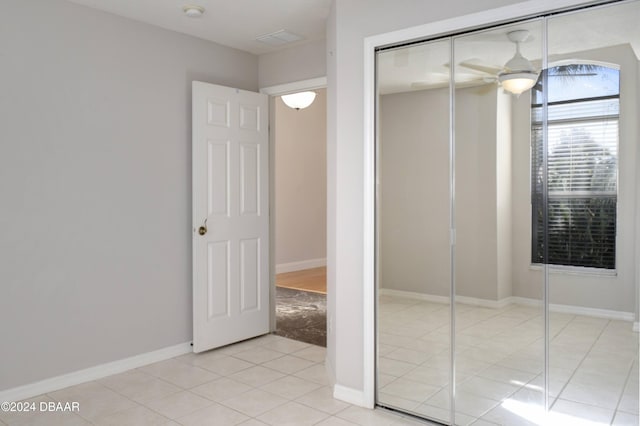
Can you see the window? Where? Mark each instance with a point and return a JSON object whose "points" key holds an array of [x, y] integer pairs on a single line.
{"points": [[582, 119]]}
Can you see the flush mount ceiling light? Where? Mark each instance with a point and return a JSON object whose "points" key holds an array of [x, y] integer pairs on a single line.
{"points": [[518, 75], [193, 11], [299, 100]]}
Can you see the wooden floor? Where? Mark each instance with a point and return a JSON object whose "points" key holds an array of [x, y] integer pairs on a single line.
{"points": [[314, 280]]}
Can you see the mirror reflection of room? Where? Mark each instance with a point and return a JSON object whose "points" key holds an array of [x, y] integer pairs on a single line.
{"points": [[537, 178]]}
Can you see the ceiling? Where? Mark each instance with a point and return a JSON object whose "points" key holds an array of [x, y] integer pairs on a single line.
{"points": [[234, 23], [427, 66]]}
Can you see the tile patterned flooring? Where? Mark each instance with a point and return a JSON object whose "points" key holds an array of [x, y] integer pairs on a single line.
{"points": [[593, 365], [269, 380]]}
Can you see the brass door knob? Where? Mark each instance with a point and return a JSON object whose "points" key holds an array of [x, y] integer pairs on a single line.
{"points": [[203, 229]]}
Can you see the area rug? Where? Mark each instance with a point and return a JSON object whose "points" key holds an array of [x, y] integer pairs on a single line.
{"points": [[301, 315]]}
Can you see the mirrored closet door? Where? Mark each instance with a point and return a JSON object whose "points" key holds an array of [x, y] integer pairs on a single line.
{"points": [[413, 216], [508, 222], [499, 342], [593, 250]]}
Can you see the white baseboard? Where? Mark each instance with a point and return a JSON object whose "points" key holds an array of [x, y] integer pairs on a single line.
{"points": [[93, 373], [593, 312], [578, 310], [350, 395], [497, 304], [413, 295], [526, 301], [485, 303], [299, 266]]}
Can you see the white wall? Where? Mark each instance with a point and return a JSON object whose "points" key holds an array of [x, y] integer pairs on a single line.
{"points": [[481, 200], [302, 62], [353, 20], [95, 184], [414, 207], [301, 182], [504, 196], [414, 192]]}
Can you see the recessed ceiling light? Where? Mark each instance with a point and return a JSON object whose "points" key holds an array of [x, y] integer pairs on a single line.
{"points": [[193, 11]]}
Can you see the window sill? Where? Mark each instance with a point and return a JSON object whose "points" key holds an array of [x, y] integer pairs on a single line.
{"points": [[575, 270]]}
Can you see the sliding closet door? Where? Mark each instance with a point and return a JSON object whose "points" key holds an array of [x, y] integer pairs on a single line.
{"points": [[413, 216], [592, 230], [508, 222], [499, 315]]}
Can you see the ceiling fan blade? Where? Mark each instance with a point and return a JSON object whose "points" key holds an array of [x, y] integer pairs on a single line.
{"points": [[428, 84], [487, 69], [466, 82], [435, 80]]}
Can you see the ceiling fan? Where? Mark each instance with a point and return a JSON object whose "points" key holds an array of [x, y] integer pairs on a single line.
{"points": [[520, 74], [517, 75]]}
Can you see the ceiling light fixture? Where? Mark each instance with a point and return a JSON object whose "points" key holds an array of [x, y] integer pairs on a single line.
{"points": [[517, 83], [519, 74], [299, 100], [193, 11]]}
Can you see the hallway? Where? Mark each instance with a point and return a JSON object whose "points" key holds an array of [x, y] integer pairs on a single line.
{"points": [[301, 306], [314, 280]]}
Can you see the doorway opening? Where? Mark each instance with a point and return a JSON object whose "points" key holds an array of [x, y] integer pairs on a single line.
{"points": [[299, 219]]}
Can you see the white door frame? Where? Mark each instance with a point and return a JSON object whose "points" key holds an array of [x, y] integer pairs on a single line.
{"points": [[273, 91], [296, 86], [434, 29]]}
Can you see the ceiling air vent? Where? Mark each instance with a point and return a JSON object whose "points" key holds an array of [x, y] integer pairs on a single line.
{"points": [[278, 38]]}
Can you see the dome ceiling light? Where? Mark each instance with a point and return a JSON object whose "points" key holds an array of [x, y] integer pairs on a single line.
{"points": [[299, 100], [193, 11]]}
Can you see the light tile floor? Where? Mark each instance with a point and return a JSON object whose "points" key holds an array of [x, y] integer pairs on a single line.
{"points": [[269, 380], [593, 365], [272, 380]]}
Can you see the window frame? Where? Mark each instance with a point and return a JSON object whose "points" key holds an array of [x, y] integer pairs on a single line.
{"points": [[568, 269]]}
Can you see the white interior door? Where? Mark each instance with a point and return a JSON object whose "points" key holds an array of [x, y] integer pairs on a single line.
{"points": [[230, 215]]}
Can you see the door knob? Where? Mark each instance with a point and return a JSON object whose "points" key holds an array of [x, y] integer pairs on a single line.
{"points": [[203, 229]]}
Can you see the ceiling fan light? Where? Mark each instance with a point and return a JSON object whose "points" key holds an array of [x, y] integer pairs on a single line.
{"points": [[299, 100], [517, 82]]}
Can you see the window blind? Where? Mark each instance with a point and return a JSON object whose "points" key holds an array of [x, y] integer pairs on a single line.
{"points": [[582, 172]]}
